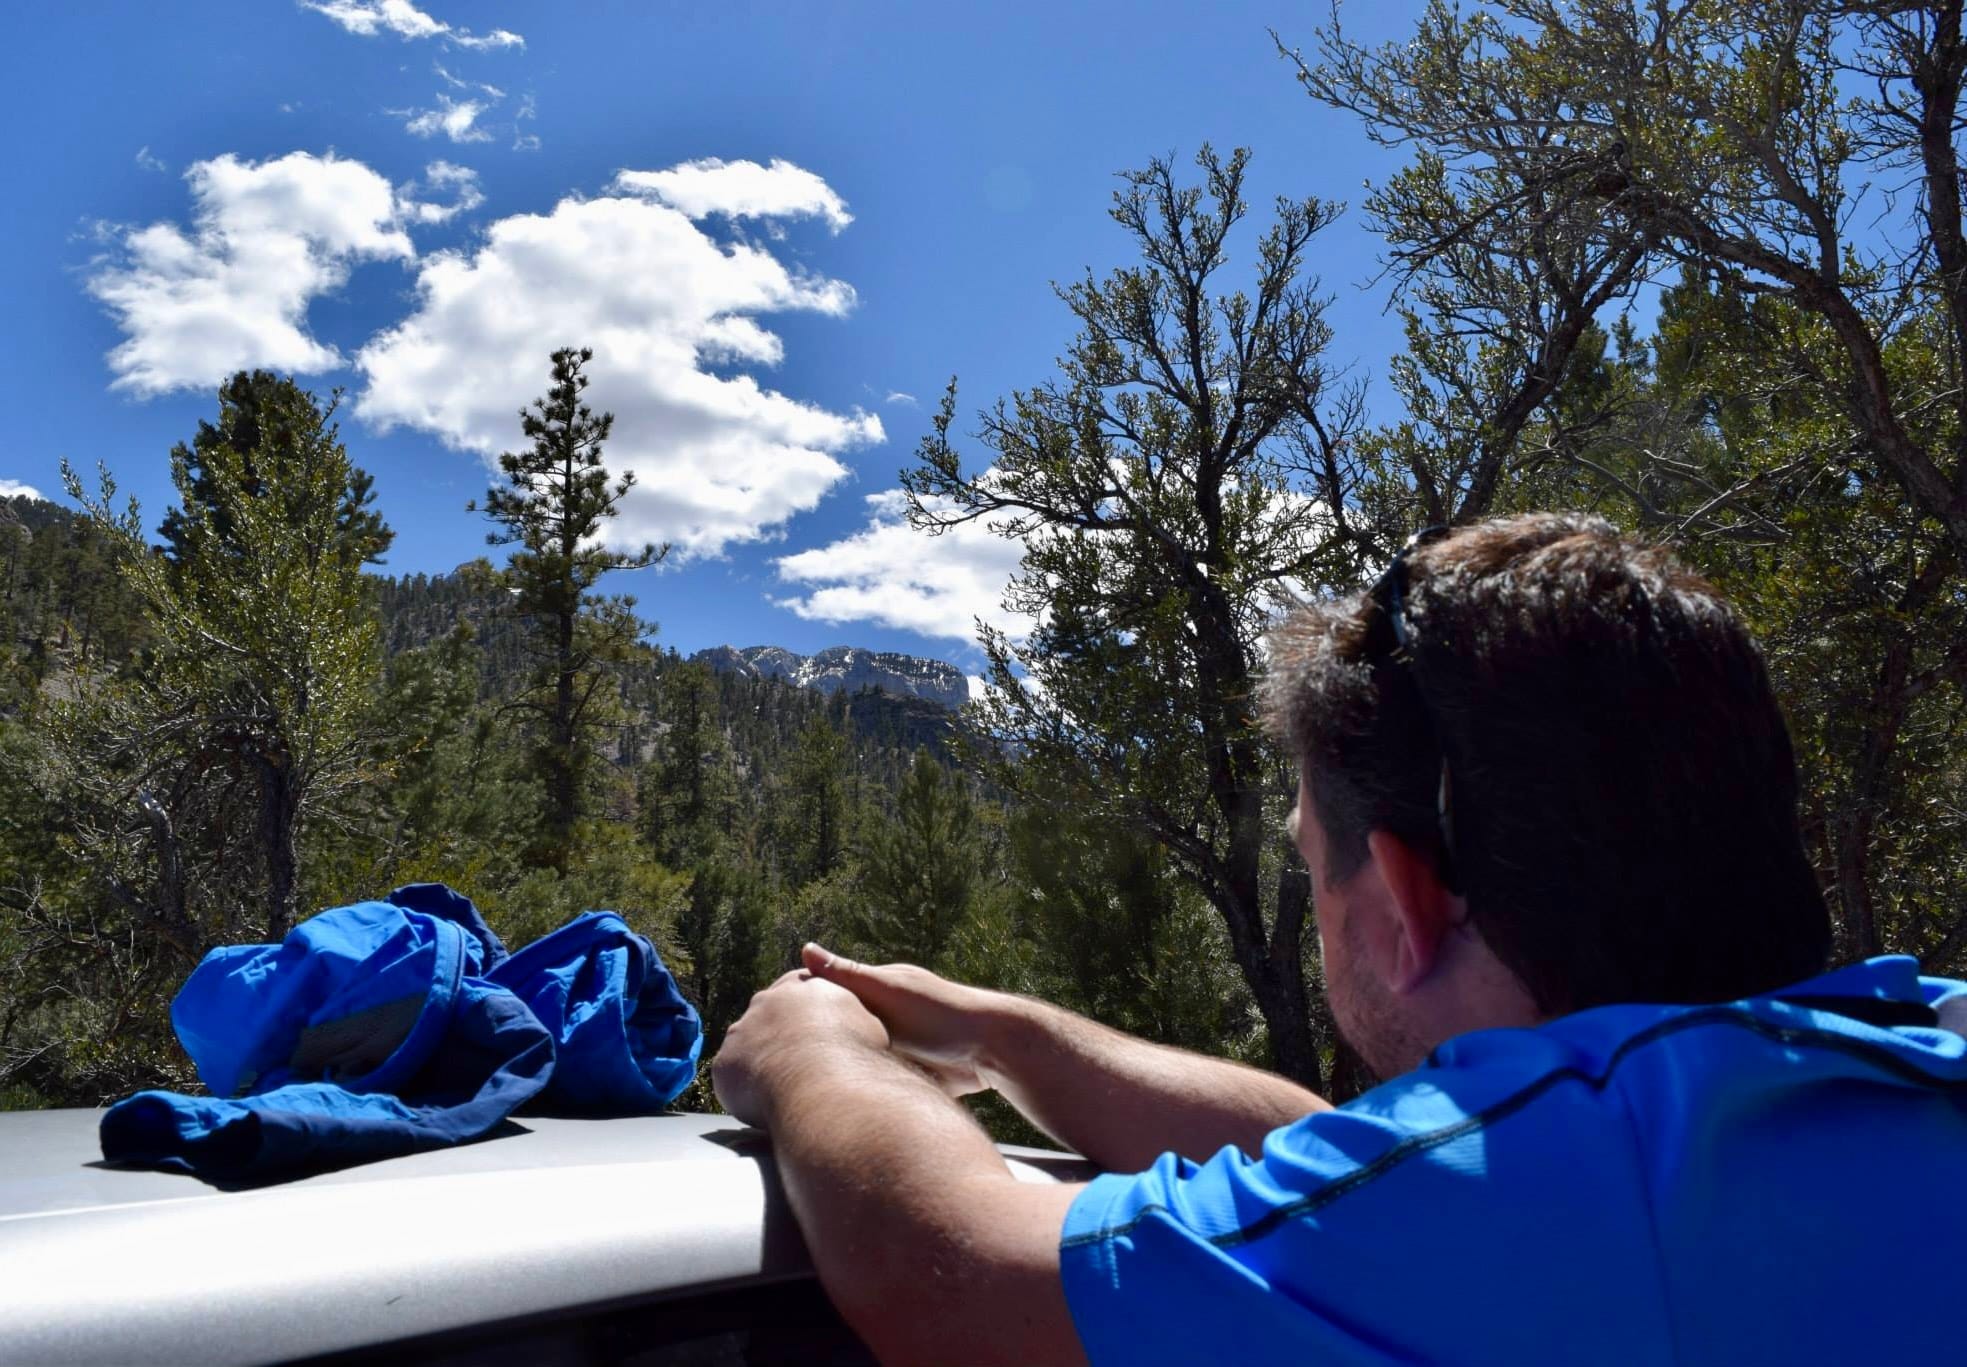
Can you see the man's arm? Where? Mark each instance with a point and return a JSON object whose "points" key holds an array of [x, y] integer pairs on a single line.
{"points": [[926, 1243], [1120, 1101]]}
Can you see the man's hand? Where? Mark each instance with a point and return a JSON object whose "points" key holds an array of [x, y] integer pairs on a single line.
{"points": [[1120, 1101], [942, 1027], [930, 1247], [795, 1015]]}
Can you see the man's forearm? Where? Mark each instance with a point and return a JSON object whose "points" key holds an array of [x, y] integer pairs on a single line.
{"points": [[1121, 1101], [911, 1216]]}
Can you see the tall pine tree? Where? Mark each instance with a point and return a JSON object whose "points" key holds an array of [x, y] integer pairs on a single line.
{"points": [[556, 496], [265, 666]]}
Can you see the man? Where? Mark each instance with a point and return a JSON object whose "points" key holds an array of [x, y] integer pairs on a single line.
{"points": [[1549, 808]]}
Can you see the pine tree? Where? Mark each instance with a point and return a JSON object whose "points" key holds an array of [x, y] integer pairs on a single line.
{"points": [[816, 809], [689, 790], [556, 496], [921, 867], [254, 714], [261, 422]]}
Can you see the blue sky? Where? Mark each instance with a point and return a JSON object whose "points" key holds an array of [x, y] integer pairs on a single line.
{"points": [[783, 227]]}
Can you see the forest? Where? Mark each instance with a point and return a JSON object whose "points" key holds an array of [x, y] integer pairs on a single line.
{"points": [[1701, 270]]}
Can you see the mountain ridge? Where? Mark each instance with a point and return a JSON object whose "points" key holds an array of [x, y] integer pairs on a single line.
{"points": [[845, 669]]}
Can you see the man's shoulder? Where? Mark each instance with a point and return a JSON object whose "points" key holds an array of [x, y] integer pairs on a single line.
{"points": [[1641, 1167], [1878, 1019]]}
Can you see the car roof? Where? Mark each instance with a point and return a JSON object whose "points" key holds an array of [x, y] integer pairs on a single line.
{"points": [[547, 1215]]}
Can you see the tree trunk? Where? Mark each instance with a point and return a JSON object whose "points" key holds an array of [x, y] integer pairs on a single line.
{"points": [[1282, 998], [1273, 968], [562, 794], [1871, 783], [279, 812]]}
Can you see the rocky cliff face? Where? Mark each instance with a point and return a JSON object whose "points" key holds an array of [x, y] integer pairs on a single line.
{"points": [[846, 669]]}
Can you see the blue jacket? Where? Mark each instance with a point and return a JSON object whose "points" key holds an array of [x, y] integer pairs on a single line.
{"points": [[387, 1027]]}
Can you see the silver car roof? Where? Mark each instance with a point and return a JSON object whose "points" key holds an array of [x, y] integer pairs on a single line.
{"points": [[111, 1265]]}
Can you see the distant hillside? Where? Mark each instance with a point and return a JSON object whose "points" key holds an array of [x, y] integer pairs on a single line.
{"points": [[846, 669], [887, 702], [62, 604]]}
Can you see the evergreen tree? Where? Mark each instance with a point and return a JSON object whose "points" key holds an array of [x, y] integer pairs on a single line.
{"points": [[690, 790], [815, 815], [267, 657], [555, 500], [920, 868], [264, 427]]}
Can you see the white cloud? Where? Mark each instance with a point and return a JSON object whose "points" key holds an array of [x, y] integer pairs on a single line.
{"points": [[480, 42], [13, 488], [897, 396], [265, 239], [440, 177], [455, 119], [719, 457], [367, 18], [741, 189], [150, 161], [459, 83], [521, 140], [893, 575]]}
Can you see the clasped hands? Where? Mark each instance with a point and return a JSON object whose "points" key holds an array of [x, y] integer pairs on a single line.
{"points": [[839, 1007]]}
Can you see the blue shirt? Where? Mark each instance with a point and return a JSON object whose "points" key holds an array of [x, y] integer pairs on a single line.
{"points": [[1762, 1181]]}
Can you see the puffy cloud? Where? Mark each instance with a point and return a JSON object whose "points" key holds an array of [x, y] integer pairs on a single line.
{"points": [[13, 488], [455, 119], [265, 239], [741, 189], [891, 574], [719, 457], [367, 18], [440, 177]]}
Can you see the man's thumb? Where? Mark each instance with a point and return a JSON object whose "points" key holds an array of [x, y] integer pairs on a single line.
{"points": [[824, 963]]}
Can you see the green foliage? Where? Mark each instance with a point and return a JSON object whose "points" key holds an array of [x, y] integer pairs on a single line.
{"points": [[1798, 427], [812, 817], [1166, 488], [62, 603], [266, 637], [552, 507], [920, 868], [262, 428], [1733, 442], [162, 801]]}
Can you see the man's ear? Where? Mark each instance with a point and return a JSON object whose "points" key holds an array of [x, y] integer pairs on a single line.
{"points": [[1422, 908]]}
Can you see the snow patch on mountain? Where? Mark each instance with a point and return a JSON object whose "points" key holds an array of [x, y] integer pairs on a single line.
{"points": [[846, 669]]}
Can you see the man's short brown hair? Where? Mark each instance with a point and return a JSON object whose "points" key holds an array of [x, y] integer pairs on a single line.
{"points": [[1622, 791]]}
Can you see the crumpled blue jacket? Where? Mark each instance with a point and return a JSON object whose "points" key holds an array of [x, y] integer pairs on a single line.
{"points": [[384, 1028]]}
